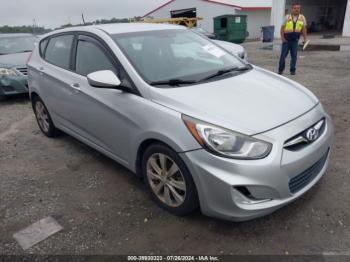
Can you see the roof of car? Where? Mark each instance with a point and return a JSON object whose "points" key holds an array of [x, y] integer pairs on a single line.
{"points": [[136, 27], [120, 28]]}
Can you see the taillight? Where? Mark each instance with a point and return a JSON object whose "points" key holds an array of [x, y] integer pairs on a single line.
{"points": [[29, 57]]}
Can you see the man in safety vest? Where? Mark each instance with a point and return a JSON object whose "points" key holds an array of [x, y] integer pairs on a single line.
{"points": [[293, 26]]}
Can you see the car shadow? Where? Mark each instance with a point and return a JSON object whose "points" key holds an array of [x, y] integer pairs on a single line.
{"points": [[283, 217], [132, 178], [14, 99]]}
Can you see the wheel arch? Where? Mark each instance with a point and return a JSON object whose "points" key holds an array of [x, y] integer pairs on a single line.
{"points": [[32, 97], [176, 143], [141, 149]]}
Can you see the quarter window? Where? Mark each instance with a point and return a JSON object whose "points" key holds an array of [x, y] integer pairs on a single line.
{"points": [[90, 58], [58, 50], [42, 47]]}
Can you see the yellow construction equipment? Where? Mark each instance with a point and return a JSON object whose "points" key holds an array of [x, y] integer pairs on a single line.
{"points": [[189, 22]]}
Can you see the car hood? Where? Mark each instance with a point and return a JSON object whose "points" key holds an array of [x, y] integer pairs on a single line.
{"points": [[13, 60], [250, 103]]}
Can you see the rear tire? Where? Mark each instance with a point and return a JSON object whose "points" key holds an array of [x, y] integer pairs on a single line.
{"points": [[168, 180], [43, 118]]}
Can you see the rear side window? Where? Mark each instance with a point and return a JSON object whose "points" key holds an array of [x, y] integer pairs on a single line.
{"points": [[43, 46], [90, 58], [58, 50]]}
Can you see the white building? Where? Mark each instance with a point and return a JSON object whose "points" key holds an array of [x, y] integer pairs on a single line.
{"points": [[258, 11], [322, 15]]}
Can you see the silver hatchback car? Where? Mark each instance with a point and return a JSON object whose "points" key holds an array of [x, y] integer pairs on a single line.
{"points": [[204, 128]]}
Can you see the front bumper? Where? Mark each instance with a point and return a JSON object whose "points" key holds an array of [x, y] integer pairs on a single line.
{"points": [[13, 85], [218, 179]]}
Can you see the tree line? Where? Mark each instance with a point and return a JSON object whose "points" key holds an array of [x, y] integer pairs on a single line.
{"points": [[42, 30], [23, 29]]}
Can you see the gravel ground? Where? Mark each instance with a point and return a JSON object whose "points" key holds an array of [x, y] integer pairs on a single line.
{"points": [[104, 208]]}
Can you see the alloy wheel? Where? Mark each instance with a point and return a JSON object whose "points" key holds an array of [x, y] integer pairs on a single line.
{"points": [[42, 116], [166, 180]]}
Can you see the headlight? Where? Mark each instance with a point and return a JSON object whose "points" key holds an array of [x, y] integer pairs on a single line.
{"points": [[225, 142], [7, 72], [241, 55], [245, 56]]}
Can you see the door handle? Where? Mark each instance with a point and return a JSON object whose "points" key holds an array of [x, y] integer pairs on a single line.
{"points": [[76, 87]]}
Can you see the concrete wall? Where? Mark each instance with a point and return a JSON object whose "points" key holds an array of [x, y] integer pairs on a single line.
{"points": [[248, 3], [257, 19], [208, 11]]}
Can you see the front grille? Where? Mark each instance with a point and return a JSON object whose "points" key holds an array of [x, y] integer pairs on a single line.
{"points": [[8, 89], [300, 140], [300, 181], [23, 70]]}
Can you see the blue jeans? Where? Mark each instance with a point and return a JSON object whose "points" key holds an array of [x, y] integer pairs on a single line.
{"points": [[287, 46]]}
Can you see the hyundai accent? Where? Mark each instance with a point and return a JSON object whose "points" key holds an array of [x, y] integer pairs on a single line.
{"points": [[204, 128]]}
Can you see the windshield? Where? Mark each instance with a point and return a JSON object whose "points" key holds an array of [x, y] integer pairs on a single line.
{"points": [[165, 55], [16, 44]]}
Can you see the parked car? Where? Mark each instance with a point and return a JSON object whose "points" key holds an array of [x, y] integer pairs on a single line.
{"points": [[204, 32], [203, 128], [14, 53], [234, 49]]}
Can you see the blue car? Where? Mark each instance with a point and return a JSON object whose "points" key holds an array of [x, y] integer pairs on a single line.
{"points": [[15, 50]]}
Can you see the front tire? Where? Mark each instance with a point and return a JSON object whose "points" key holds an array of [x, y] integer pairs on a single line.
{"points": [[43, 118], [168, 180]]}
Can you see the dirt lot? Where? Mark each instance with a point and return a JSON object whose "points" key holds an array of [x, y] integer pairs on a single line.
{"points": [[104, 208]]}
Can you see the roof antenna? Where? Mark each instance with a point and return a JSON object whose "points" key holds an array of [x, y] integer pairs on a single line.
{"points": [[82, 17]]}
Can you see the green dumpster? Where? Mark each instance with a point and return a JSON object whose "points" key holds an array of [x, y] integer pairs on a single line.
{"points": [[231, 28]]}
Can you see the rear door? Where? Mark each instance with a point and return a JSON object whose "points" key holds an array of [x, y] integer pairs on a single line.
{"points": [[57, 76]]}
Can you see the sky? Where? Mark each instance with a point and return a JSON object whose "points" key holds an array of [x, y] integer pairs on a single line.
{"points": [[53, 13]]}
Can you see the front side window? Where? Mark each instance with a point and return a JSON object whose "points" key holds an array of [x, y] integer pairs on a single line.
{"points": [[174, 54], [90, 58], [16, 44], [58, 50]]}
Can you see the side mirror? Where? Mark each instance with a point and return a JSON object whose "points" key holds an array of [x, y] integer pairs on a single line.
{"points": [[104, 79]]}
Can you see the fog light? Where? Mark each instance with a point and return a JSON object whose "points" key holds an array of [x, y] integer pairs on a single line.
{"points": [[248, 198]]}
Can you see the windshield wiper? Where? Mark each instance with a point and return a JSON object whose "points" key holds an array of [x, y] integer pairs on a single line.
{"points": [[176, 82], [173, 82], [225, 71]]}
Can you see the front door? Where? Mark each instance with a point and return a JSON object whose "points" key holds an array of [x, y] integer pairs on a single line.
{"points": [[100, 115]]}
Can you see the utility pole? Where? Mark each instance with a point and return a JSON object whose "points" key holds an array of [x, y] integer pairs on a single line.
{"points": [[34, 26], [277, 14], [346, 26]]}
